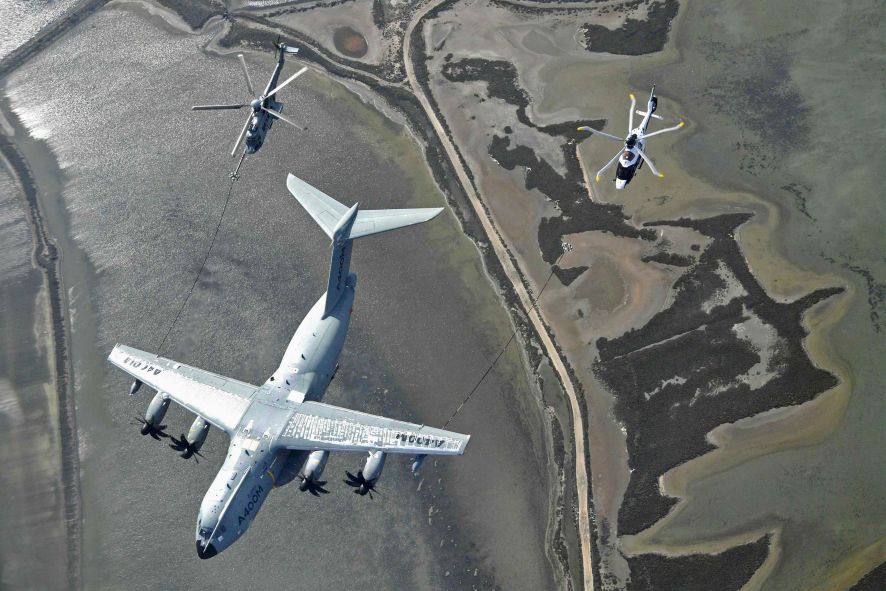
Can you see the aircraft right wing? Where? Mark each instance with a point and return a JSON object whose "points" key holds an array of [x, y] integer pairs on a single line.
{"points": [[316, 426]]}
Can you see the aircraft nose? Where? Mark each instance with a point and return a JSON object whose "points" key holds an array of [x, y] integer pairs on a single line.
{"points": [[207, 551], [620, 184]]}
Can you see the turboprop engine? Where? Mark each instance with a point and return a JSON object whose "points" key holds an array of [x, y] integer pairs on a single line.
{"points": [[190, 445], [154, 416], [312, 472], [364, 481]]}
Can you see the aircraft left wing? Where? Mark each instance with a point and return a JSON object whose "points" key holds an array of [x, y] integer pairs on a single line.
{"points": [[220, 400], [315, 426]]}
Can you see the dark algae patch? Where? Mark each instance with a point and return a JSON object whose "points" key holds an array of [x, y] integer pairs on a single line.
{"points": [[730, 569], [634, 37], [579, 214], [567, 276], [683, 373], [668, 258], [873, 581]]}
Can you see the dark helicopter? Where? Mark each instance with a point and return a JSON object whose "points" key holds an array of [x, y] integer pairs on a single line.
{"points": [[264, 108]]}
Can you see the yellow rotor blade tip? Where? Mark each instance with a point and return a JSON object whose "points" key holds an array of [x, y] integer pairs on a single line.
{"points": [[681, 124], [661, 175], [598, 178]]}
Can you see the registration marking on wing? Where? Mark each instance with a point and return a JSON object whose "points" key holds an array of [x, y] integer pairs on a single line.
{"points": [[346, 432]]}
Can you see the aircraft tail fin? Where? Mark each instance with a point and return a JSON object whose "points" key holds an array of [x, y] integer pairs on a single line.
{"points": [[343, 225]]}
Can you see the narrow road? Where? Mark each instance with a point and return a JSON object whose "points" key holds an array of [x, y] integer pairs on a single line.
{"points": [[581, 476]]}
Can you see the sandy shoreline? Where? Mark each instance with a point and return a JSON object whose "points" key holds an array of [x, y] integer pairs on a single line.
{"points": [[47, 258]]}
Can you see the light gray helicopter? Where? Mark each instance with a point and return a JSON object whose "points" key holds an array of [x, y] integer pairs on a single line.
{"points": [[280, 430], [631, 159], [264, 108]]}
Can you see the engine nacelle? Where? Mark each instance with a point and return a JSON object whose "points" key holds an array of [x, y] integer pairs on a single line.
{"points": [[197, 434], [315, 465], [373, 466], [134, 387], [156, 411], [417, 462]]}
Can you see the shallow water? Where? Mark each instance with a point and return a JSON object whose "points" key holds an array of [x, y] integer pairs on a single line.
{"points": [[147, 179], [21, 19], [32, 534], [793, 81]]}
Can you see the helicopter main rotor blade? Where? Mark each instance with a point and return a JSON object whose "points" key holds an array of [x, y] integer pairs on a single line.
{"points": [[631, 113], [287, 81], [604, 134], [215, 107], [665, 130], [282, 118], [649, 162], [246, 74], [608, 164], [242, 135]]}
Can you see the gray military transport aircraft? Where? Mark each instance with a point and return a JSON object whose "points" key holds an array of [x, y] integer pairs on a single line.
{"points": [[280, 430]]}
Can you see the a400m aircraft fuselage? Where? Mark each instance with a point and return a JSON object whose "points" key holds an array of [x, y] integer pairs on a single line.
{"points": [[310, 361], [280, 430]]}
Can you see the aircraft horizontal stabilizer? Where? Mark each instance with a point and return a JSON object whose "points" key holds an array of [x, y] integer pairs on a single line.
{"points": [[328, 212], [343, 225], [654, 116]]}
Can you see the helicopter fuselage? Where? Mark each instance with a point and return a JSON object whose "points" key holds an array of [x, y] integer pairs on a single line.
{"points": [[630, 161], [262, 120], [260, 125]]}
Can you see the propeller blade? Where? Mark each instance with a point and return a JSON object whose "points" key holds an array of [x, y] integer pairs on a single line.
{"points": [[215, 107], [246, 74], [287, 81], [608, 164], [282, 118], [604, 134], [242, 135], [649, 162], [631, 113], [665, 130]]}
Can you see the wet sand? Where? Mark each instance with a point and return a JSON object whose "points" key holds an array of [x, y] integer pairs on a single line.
{"points": [[34, 543], [473, 522]]}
